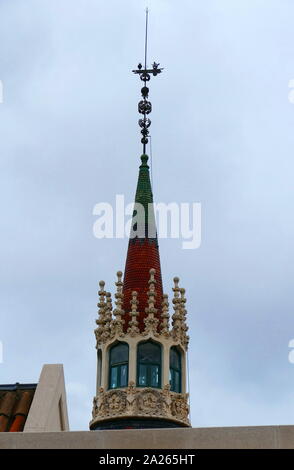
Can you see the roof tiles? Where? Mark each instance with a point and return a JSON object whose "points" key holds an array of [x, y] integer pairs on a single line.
{"points": [[15, 402], [143, 252]]}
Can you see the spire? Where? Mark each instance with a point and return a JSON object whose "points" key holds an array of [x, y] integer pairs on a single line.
{"points": [[143, 250], [141, 379]]}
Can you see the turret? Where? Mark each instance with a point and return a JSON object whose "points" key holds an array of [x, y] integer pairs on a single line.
{"points": [[141, 352]]}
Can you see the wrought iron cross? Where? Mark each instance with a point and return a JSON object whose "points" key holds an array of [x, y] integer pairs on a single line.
{"points": [[145, 106]]}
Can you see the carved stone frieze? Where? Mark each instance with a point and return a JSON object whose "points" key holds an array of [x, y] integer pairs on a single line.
{"points": [[141, 402]]}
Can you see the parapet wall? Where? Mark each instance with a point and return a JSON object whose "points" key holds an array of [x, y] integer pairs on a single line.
{"points": [[259, 437]]}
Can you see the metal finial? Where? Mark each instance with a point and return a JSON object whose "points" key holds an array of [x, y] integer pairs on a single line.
{"points": [[145, 106]]}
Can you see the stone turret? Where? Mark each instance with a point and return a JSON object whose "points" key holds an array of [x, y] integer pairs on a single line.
{"points": [[141, 352], [141, 379]]}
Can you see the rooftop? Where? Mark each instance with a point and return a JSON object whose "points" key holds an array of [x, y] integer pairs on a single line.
{"points": [[15, 403]]}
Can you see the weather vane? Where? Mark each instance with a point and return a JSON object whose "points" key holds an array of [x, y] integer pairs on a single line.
{"points": [[144, 106]]}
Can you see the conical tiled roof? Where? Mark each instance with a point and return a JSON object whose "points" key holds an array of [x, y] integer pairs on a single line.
{"points": [[143, 250]]}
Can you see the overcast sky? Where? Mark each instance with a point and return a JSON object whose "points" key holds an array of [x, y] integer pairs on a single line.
{"points": [[222, 135]]}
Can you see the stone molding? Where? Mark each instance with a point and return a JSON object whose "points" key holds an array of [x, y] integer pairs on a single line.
{"points": [[117, 322], [142, 403]]}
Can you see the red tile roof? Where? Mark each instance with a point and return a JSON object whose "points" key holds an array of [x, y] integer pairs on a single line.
{"points": [[15, 402], [143, 252], [142, 256]]}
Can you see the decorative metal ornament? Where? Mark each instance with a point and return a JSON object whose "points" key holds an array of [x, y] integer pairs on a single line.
{"points": [[145, 106]]}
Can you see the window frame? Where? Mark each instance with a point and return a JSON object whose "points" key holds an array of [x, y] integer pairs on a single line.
{"points": [[174, 370], [149, 366], [118, 366]]}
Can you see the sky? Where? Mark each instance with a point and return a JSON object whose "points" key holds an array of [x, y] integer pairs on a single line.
{"points": [[222, 135]]}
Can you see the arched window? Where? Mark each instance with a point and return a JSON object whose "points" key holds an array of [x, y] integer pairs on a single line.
{"points": [[118, 365], [175, 370], [149, 364]]}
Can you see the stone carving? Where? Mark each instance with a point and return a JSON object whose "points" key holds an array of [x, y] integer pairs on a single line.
{"points": [[150, 321], [133, 329], [95, 407], [118, 322], [116, 402], [149, 402], [179, 326], [165, 317], [179, 406], [101, 312], [110, 403], [111, 322], [138, 402]]}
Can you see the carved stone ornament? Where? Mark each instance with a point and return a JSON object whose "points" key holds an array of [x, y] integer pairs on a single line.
{"points": [[141, 402], [120, 324], [179, 406], [112, 403]]}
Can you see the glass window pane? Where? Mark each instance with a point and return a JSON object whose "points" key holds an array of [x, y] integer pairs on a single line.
{"points": [[149, 353], [175, 358], [142, 375], [123, 375], [171, 380], [119, 353], [113, 377], [177, 382], [154, 373]]}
